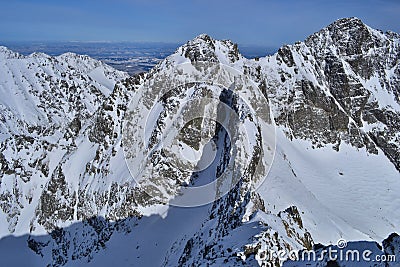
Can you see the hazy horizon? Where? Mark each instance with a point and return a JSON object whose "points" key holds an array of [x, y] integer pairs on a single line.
{"points": [[103, 49], [256, 22]]}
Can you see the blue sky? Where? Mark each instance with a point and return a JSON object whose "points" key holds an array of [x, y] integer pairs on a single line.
{"points": [[255, 22]]}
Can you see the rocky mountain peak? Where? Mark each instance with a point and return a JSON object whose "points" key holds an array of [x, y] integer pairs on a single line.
{"points": [[349, 72], [347, 23], [40, 55], [349, 37], [205, 48], [203, 37], [78, 59], [7, 53]]}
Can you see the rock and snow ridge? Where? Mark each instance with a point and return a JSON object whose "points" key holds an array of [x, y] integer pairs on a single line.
{"points": [[335, 101]]}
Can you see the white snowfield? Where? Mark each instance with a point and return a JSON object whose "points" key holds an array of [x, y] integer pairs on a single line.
{"points": [[341, 190]]}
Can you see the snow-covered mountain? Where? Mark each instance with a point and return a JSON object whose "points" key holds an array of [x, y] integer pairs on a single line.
{"points": [[281, 152]]}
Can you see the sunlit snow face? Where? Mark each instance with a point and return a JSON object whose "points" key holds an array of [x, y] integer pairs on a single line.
{"points": [[192, 132]]}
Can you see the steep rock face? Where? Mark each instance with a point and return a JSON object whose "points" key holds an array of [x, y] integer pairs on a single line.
{"points": [[338, 85], [100, 185], [46, 103], [371, 64]]}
